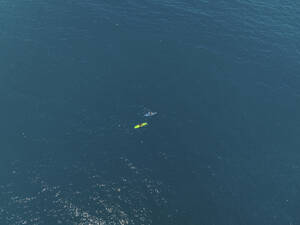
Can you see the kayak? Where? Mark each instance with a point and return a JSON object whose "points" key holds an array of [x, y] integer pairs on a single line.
{"points": [[140, 125]]}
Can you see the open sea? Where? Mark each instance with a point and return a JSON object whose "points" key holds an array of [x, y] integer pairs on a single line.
{"points": [[76, 76]]}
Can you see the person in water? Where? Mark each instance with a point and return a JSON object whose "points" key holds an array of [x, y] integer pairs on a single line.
{"points": [[150, 114]]}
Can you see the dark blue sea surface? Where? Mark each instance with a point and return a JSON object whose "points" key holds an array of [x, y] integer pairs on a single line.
{"points": [[77, 76]]}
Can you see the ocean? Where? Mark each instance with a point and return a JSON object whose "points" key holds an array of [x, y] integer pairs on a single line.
{"points": [[77, 76]]}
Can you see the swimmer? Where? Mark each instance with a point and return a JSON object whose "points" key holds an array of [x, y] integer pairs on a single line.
{"points": [[148, 114]]}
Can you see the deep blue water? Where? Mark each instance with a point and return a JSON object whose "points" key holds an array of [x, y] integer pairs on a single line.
{"points": [[76, 76]]}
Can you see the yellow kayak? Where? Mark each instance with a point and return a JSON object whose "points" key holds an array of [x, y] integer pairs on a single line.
{"points": [[140, 125]]}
